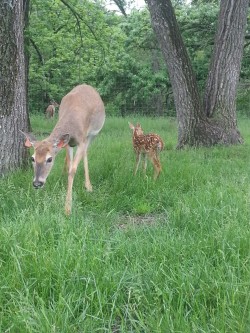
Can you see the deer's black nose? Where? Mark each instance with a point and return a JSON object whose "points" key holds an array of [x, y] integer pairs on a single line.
{"points": [[37, 184]]}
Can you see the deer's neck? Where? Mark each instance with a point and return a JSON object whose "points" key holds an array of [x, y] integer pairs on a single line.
{"points": [[60, 129], [138, 136]]}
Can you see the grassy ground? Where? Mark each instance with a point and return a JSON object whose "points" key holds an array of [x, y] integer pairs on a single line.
{"points": [[135, 256]]}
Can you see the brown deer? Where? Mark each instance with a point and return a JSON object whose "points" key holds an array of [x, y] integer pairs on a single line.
{"points": [[51, 109], [148, 145], [81, 117]]}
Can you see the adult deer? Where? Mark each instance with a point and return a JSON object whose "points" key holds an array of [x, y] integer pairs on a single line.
{"points": [[148, 145], [81, 117], [51, 109]]}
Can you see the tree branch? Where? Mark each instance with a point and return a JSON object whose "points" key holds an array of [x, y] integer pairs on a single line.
{"points": [[120, 5], [40, 57], [79, 17]]}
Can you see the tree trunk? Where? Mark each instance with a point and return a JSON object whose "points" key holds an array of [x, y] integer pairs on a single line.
{"points": [[223, 77], [13, 113], [26, 7], [195, 126], [185, 90]]}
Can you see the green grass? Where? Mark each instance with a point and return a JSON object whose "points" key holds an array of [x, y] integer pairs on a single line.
{"points": [[135, 256]]}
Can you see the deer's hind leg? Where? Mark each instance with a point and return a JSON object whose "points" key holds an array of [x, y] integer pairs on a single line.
{"points": [[88, 185], [156, 163]]}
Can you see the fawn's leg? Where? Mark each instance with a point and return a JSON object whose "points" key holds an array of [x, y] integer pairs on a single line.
{"points": [[145, 164], [138, 159], [156, 163]]}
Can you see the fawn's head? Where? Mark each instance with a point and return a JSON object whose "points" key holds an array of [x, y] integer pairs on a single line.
{"points": [[44, 156], [137, 130], [54, 103]]}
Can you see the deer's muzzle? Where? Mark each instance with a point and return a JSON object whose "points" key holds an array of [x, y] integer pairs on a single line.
{"points": [[38, 184]]}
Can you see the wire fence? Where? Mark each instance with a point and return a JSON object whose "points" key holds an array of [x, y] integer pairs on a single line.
{"points": [[120, 103]]}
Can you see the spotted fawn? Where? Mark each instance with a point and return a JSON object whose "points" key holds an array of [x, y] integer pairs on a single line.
{"points": [[148, 146]]}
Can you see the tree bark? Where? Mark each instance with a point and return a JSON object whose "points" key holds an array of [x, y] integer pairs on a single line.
{"points": [[185, 90], [195, 126], [13, 113], [225, 66], [26, 7]]}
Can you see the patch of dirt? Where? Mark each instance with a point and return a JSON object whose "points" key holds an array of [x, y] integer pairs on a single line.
{"points": [[142, 220]]}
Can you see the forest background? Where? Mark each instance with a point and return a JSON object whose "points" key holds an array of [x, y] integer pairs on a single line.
{"points": [[118, 53]]}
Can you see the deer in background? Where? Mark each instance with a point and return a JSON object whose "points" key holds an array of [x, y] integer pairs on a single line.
{"points": [[81, 117], [148, 145], [51, 109]]}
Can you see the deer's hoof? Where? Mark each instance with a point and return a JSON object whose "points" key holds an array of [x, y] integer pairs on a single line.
{"points": [[67, 211], [88, 187]]}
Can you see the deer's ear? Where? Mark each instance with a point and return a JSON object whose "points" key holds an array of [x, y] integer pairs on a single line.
{"points": [[28, 143], [131, 126], [29, 140], [62, 141]]}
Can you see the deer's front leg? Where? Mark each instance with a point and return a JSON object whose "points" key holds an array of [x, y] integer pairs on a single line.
{"points": [[71, 175], [68, 158], [145, 164], [138, 159]]}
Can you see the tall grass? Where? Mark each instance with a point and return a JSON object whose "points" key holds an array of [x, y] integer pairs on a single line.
{"points": [[135, 255]]}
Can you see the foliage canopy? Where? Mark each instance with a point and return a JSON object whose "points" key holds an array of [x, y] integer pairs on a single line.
{"points": [[74, 42]]}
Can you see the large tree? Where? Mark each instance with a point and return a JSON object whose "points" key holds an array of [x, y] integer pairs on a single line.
{"points": [[13, 85], [212, 120]]}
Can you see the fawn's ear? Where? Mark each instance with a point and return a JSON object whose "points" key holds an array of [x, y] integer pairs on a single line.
{"points": [[131, 126], [62, 141], [29, 140]]}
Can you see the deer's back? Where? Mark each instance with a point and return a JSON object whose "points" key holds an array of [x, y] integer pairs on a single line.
{"points": [[82, 109], [50, 111], [147, 142]]}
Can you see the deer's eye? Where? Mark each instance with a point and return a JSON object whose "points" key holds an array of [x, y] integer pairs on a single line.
{"points": [[32, 159], [49, 160]]}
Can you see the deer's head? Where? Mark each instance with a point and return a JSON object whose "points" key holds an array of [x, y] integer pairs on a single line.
{"points": [[137, 130], [44, 156], [54, 103]]}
